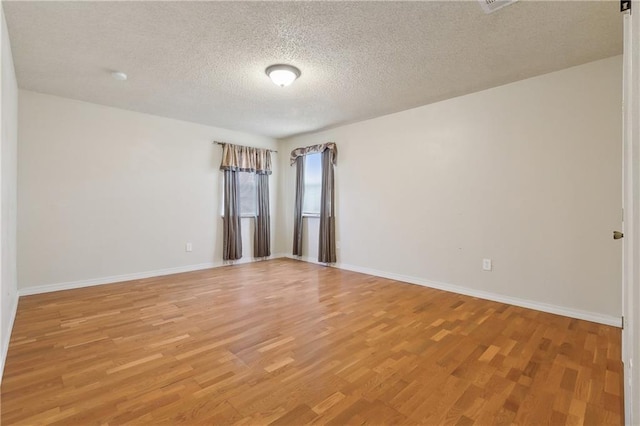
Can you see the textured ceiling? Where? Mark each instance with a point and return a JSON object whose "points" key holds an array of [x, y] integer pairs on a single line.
{"points": [[204, 61]]}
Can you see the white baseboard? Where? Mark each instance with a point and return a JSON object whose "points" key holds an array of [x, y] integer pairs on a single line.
{"points": [[47, 288], [313, 260], [539, 306], [7, 338]]}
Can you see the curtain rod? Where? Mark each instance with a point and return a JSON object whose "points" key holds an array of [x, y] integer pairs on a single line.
{"points": [[223, 143]]}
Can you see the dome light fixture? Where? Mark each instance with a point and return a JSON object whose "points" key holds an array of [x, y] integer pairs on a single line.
{"points": [[282, 75], [119, 75]]}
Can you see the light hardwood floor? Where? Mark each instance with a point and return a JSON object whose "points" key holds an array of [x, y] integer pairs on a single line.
{"points": [[286, 342]]}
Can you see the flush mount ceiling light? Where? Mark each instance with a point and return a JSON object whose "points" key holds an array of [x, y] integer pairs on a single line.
{"points": [[282, 75], [490, 6], [119, 75]]}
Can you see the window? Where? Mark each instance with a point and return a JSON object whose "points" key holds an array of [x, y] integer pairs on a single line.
{"points": [[247, 183], [312, 184], [248, 197]]}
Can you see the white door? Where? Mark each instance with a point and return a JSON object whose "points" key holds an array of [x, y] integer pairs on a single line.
{"points": [[631, 224]]}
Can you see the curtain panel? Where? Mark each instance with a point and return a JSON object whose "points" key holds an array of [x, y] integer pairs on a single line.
{"points": [[327, 233], [297, 213], [235, 159], [262, 233], [232, 233]]}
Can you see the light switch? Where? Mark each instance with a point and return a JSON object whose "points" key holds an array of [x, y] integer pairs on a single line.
{"points": [[486, 264]]}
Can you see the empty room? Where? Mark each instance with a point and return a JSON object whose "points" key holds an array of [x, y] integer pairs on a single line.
{"points": [[319, 212]]}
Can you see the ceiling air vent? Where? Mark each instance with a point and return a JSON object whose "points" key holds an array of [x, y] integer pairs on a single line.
{"points": [[490, 6]]}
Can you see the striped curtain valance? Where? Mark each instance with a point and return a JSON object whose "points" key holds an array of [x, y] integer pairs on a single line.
{"points": [[314, 149], [240, 158]]}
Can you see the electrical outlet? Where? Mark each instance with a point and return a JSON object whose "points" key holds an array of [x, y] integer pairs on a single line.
{"points": [[188, 247], [486, 264]]}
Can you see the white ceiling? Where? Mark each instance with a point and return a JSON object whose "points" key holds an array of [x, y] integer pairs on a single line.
{"points": [[204, 61]]}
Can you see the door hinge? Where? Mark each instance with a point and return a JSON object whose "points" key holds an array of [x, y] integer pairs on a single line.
{"points": [[622, 322]]}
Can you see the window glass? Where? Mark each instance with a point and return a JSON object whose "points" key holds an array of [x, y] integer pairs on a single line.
{"points": [[247, 190], [248, 200], [312, 184]]}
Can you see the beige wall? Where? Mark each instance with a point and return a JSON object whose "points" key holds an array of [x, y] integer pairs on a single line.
{"points": [[8, 167], [105, 192], [527, 174]]}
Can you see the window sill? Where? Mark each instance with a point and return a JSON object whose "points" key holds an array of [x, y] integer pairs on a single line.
{"points": [[311, 215]]}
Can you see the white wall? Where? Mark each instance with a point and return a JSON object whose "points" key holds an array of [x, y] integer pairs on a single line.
{"points": [[527, 174], [105, 192], [8, 201]]}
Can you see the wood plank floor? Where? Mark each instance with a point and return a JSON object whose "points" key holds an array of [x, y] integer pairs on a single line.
{"points": [[290, 343]]}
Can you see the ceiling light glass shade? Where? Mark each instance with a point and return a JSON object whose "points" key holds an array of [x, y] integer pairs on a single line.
{"points": [[119, 75], [282, 75]]}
